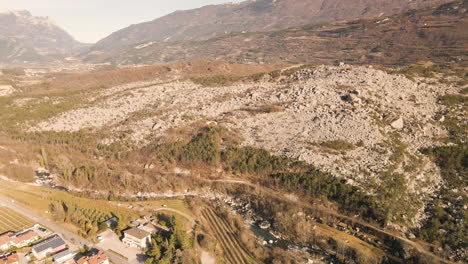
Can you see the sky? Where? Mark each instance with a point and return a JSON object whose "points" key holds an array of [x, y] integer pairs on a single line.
{"points": [[91, 20]]}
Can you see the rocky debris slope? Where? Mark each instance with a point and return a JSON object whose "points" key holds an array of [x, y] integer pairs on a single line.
{"points": [[354, 122]]}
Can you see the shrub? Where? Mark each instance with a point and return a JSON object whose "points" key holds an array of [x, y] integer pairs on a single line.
{"points": [[448, 212], [337, 145]]}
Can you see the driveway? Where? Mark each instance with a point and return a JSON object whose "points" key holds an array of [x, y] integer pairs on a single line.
{"points": [[112, 241]]}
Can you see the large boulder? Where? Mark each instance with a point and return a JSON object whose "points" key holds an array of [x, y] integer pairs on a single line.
{"points": [[398, 124]]}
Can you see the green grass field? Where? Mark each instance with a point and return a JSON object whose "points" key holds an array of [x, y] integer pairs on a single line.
{"points": [[12, 221]]}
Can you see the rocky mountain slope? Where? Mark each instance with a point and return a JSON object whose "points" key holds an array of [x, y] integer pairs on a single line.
{"points": [[26, 38], [357, 123], [361, 134], [250, 16]]}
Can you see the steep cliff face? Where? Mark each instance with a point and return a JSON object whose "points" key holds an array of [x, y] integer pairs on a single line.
{"points": [[26, 38]]}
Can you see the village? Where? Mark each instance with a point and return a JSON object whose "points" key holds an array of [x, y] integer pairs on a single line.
{"points": [[38, 244]]}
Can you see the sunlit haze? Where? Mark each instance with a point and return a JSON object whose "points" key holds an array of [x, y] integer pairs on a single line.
{"points": [[91, 20]]}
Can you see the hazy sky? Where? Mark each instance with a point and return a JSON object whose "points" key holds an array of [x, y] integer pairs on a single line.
{"points": [[91, 20]]}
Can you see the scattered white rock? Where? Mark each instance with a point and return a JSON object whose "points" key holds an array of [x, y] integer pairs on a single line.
{"points": [[6, 90]]}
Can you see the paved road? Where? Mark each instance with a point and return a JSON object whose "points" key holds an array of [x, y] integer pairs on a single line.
{"points": [[76, 241]]}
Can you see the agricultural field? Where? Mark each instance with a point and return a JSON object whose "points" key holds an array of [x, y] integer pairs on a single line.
{"points": [[12, 221], [86, 214], [235, 252]]}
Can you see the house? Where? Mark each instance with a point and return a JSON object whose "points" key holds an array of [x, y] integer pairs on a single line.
{"points": [[25, 238], [5, 240], [149, 227], [112, 221], [136, 237], [18, 240], [153, 228], [11, 258], [97, 257], [49, 245], [62, 256]]}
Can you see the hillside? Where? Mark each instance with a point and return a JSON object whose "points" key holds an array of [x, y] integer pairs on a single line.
{"points": [[282, 131], [26, 38], [424, 35], [346, 141], [250, 16]]}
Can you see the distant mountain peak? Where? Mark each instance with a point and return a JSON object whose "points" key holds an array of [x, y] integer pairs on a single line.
{"points": [[26, 17], [28, 38], [15, 12]]}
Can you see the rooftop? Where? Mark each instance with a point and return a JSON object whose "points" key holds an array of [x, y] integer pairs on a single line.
{"points": [[61, 254], [25, 236], [9, 259], [137, 232], [6, 237], [96, 258], [51, 242]]}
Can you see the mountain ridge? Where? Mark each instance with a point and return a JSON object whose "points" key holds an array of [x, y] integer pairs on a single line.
{"points": [[430, 34], [28, 38], [250, 16]]}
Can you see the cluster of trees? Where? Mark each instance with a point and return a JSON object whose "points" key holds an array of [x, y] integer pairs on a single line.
{"points": [[315, 183], [172, 246], [252, 160], [203, 148], [447, 221], [284, 173], [88, 221]]}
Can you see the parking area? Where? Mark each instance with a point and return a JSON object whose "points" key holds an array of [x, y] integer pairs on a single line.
{"points": [[110, 241]]}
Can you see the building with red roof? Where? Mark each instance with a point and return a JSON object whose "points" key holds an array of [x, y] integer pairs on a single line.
{"points": [[97, 257], [9, 259]]}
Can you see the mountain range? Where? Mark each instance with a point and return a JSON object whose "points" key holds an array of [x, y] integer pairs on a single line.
{"points": [[27, 38], [180, 35], [436, 34]]}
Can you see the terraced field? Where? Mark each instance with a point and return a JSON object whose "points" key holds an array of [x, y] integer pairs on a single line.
{"points": [[234, 250], [12, 221]]}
